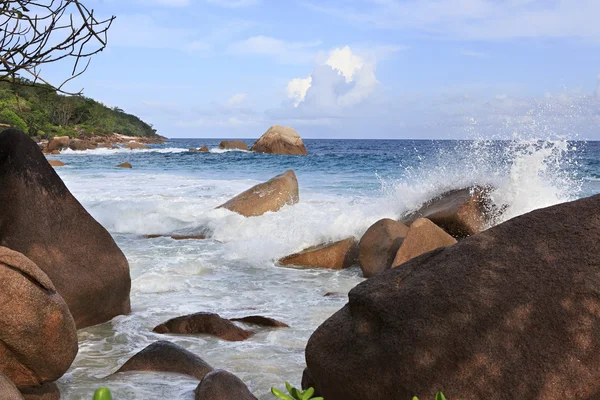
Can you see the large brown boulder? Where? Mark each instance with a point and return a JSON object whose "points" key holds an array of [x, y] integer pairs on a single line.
{"points": [[267, 196], [379, 246], [337, 255], [280, 140], [423, 236], [461, 213], [222, 385], [163, 356], [38, 338], [510, 313], [233, 145], [41, 219], [58, 143], [204, 323], [8, 390]]}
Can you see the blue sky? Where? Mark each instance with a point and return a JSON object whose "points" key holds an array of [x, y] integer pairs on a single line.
{"points": [[352, 68]]}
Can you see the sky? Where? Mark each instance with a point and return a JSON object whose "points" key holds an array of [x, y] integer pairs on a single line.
{"points": [[397, 69]]}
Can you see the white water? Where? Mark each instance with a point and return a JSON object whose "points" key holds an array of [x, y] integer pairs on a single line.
{"points": [[234, 274]]}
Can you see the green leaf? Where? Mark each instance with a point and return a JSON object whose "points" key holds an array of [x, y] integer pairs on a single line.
{"points": [[307, 395], [440, 396], [296, 394], [415, 398], [103, 393], [279, 394], [317, 398], [288, 387]]}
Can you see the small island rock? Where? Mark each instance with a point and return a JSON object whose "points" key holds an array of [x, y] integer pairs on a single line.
{"points": [[280, 140], [268, 196]]}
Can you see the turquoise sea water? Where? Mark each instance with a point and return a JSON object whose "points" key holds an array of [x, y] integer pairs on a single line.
{"points": [[345, 186]]}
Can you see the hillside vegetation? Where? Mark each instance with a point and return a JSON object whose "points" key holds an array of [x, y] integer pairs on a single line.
{"points": [[39, 111]]}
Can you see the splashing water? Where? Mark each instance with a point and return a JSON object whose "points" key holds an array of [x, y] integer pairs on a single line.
{"points": [[345, 186]]}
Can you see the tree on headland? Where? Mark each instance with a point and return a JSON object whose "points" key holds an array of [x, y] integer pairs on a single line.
{"points": [[34, 33]]}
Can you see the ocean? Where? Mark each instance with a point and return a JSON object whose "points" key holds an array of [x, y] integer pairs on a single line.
{"points": [[345, 186]]}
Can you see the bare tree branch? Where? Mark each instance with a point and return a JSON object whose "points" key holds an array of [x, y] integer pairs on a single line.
{"points": [[38, 32]]}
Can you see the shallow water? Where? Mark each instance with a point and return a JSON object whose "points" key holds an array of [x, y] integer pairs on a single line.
{"points": [[345, 186]]}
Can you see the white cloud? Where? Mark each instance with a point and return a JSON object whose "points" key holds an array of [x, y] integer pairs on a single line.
{"points": [[233, 3], [343, 80], [282, 51], [297, 88], [598, 88], [476, 19], [345, 62]]}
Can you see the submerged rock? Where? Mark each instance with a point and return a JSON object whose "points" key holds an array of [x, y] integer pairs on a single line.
{"points": [[510, 313], [135, 145], [81, 145], [268, 196], [207, 323], [233, 145], [222, 385], [56, 163], [461, 213], [379, 246], [337, 255], [280, 140], [125, 165], [259, 320], [41, 219], [179, 237], [423, 237], [202, 149], [163, 356], [8, 390], [38, 339]]}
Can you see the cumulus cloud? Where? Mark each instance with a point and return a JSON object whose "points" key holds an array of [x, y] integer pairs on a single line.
{"points": [[297, 88], [282, 51], [344, 79]]}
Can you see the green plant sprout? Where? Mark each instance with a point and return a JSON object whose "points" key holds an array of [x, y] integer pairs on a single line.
{"points": [[438, 396], [103, 393], [295, 394]]}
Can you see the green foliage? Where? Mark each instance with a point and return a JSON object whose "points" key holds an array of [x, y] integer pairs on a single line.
{"points": [[103, 394], [39, 110], [295, 394], [9, 117]]}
